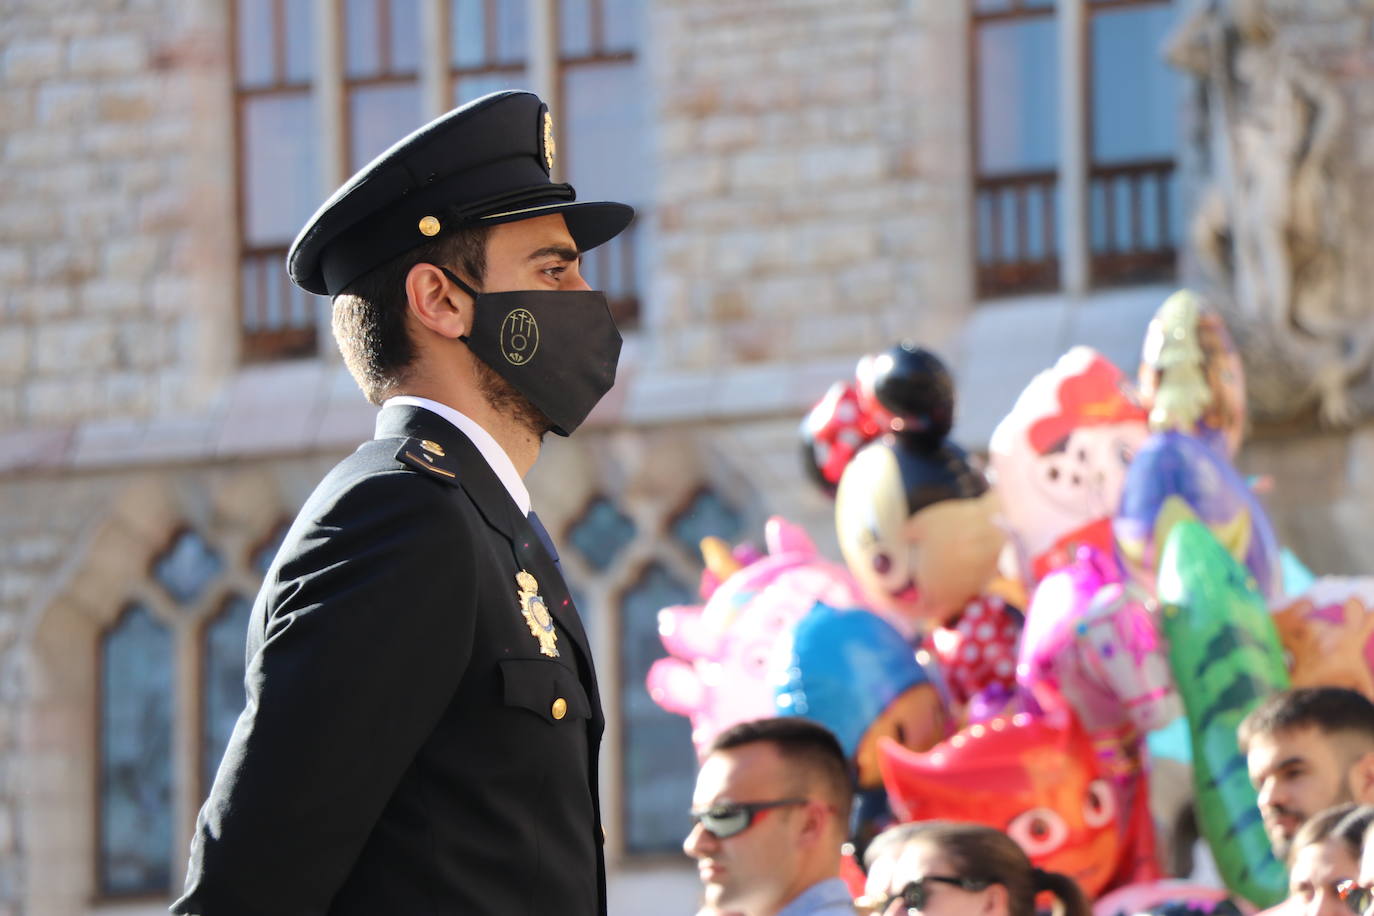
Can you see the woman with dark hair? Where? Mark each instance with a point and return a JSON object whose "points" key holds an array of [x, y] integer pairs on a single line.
{"points": [[943, 867], [1325, 859]]}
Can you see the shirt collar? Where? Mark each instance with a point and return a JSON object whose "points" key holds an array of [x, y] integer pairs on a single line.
{"points": [[828, 896], [494, 454]]}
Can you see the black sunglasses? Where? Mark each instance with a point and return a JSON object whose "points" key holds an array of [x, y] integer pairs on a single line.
{"points": [[729, 818], [1359, 900], [915, 895]]}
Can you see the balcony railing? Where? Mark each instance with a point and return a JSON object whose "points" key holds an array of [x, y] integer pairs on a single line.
{"points": [[1132, 236], [1132, 211], [1015, 218], [278, 319]]}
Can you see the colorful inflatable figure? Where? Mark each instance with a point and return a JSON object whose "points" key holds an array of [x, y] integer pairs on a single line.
{"points": [[1091, 641], [1037, 778], [1192, 377], [844, 421], [1328, 631], [1225, 657], [854, 673], [916, 524], [720, 652], [1059, 459]]}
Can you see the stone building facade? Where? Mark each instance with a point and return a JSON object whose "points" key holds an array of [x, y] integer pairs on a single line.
{"points": [[809, 179]]}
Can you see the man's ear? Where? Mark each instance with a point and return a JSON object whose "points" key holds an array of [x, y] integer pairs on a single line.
{"points": [[436, 303], [1361, 778], [996, 900]]}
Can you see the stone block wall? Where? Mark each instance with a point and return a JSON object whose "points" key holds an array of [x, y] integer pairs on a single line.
{"points": [[115, 251], [812, 166]]}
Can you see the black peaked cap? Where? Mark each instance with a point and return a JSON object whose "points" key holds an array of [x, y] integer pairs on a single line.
{"points": [[484, 163]]}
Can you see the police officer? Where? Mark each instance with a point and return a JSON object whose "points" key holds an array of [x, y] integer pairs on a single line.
{"points": [[422, 724]]}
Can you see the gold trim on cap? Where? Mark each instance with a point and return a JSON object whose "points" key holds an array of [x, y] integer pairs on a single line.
{"points": [[429, 226]]}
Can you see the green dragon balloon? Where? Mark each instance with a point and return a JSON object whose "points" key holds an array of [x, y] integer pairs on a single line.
{"points": [[1226, 658]]}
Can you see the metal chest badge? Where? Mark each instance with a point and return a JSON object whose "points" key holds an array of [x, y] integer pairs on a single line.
{"points": [[537, 614]]}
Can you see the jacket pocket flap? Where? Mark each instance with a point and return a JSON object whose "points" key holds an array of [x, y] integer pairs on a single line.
{"points": [[544, 687]]}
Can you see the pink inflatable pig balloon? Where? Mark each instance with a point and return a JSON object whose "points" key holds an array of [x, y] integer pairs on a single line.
{"points": [[719, 653], [1059, 459]]}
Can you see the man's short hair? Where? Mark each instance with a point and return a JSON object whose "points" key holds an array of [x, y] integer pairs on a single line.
{"points": [[1331, 710], [369, 316], [807, 745]]}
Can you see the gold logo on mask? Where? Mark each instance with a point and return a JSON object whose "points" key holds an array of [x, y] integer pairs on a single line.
{"points": [[519, 337]]}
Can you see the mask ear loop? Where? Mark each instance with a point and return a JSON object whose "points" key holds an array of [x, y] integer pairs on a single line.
{"points": [[464, 287]]}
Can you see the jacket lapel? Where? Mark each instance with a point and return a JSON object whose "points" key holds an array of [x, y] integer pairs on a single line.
{"points": [[492, 499]]}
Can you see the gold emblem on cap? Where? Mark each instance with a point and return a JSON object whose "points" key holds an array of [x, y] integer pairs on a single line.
{"points": [[432, 447], [560, 708], [549, 146], [429, 226], [536, 614]]}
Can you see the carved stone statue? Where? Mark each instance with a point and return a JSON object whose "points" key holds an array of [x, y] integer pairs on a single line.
{"points": [[1274, 225]]}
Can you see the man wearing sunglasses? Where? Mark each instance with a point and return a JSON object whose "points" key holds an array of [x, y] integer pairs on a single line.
{"points": [[770, 813]]}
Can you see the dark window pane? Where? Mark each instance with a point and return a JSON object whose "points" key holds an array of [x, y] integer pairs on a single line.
{"points": [[187, 567], [1135, 95], [659, 762], [136, 756], [362, 44], [378, 116], [281, 174], [222, 690], [623, 24], [575, 28], [405, 36], [469, 25], [1018, 106], [707, 515], [467, 88], [601, 533], [603, 132], [254, 39], [512, 30], [300, 40]]}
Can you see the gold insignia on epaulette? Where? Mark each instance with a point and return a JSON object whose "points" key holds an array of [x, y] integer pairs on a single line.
{"points": [[432, 447], [536, 613]]}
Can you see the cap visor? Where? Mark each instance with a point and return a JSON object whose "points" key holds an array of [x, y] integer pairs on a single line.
{"points": [[591, 222]]}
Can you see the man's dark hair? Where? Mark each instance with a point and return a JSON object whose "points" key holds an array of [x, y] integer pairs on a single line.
{"points": [[369, 316], [1331, 710], [809, 746]]}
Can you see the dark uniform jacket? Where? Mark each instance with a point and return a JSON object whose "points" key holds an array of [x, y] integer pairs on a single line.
{"points": [[406, 748]]}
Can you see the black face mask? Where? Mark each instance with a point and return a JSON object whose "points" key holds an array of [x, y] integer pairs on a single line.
{"points": [[558, 349]]}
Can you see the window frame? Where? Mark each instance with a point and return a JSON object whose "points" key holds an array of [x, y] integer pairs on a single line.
{"points": [[1066, 227]]}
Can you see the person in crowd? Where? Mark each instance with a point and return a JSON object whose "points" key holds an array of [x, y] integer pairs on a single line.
{"points": [[944, 867], [1325, 858], [1308, 749], [1359, 894], [770, 814]]}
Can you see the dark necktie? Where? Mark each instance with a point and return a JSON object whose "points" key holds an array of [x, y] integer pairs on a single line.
{"points": [[547, 541]]}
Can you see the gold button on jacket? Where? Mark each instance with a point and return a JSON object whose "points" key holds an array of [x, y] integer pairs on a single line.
{"points": [[560, 708]]}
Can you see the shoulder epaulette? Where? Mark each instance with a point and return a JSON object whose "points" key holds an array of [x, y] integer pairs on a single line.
{"points": [[424, 455]]}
